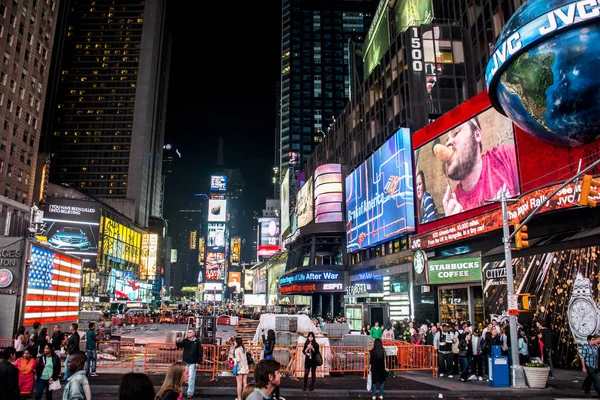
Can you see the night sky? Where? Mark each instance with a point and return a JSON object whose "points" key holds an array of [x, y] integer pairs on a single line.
{"points": [[224, 71]]}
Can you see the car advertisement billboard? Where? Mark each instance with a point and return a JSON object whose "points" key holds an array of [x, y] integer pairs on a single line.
{"points": [[215, 240], [218, 183], [268, 233], [305, 204], [217, 210], [328, 193], [379, 195], [235, 250], [120, 243], [465, 166], [72, 226]]}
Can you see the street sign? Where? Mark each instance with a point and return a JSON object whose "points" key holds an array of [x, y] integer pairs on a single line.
{"points": [[513, 304]]}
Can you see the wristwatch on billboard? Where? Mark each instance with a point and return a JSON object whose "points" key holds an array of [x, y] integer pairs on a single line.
{"points": [[583, 311]]}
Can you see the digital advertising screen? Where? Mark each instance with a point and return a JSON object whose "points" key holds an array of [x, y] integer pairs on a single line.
{"points": [[215, 266], [217, 210], [218, 183], [201, 250], [235, 250], [53, 287], [285, 202], [268, 236], [412, 13], [305, 204], [465, 166], [328, 193], [235, 281], [72, 226], [149, 256], [120, 243], [215, 240], [379, 195], [377, 39]]}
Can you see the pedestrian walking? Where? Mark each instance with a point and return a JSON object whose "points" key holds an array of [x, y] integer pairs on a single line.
{"points": [[26, 366], [136, 386], [376, 331], [523, 345], [446, 356], [311, 353], [47, 371], [192, 355], [589, 365], [9, 375], [91, 349], [72, 346], [241, 362], [267, 379], [77, 387], [57, 339], [172, 387], [21, 341], [547, 342], [477, 356], [465, 353], [269, 343], [378, 370], [33, 339]]}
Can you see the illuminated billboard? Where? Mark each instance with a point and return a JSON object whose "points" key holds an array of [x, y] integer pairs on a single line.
{"points": [[120, 243], [465, 166], [305, 204], [216, 237], [285, 202], [377, 40], [215, 266], [201, 251], [235, 250], [412, 13], [217, 210], [149, 256], [379, 195], [328, 193], [268, 234], [53, 287], [72, 226], [218, 183], [235, 281]]}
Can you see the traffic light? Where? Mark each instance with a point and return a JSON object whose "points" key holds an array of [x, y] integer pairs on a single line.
{"points": [[586, 191], [521, 238]]}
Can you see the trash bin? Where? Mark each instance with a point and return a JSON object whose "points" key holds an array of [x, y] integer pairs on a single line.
{"points": [[498, 369]]}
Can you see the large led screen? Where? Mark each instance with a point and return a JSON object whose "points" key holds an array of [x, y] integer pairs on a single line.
{"points": [[149, 256], [236, 250], [120, 243], [462, 168], [53, 287], [218, 183], [328, 193], [215, 266], [305, 204], [379, 195], [285, 202], [217, 210], [216, 237], [72, 226], [268, 236], [412, 13]]}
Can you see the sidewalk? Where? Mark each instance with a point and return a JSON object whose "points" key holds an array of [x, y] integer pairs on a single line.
{"points": [[566, 384]]}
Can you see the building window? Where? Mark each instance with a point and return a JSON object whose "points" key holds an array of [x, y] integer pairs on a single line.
{"points": [[9, 105], [12, 150], [6, 191], [9, 170], [3, 78]]}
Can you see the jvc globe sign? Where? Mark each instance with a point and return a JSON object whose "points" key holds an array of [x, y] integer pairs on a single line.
{"points": [[543, 73]]}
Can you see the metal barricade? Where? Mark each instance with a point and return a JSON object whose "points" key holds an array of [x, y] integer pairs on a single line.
{"points": [[336, 360], [115, 355], [285, 355], [159, 356], [402, 357], [4, 343]]}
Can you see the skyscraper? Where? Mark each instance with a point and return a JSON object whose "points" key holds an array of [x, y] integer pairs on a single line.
{"points": [[27, 33], [317, 37], [107, 129]]}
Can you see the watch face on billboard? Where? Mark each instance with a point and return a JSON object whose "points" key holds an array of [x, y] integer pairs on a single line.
{"points": [[305, 204], [218, 183], [217, 210], [462, 168], [379, 195]]}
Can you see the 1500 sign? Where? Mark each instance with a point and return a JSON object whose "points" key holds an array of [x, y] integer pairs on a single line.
{"points": [[417, 50]]}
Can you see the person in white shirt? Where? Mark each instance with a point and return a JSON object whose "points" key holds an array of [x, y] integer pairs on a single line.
{"points": [[388, 333], [477, 359]]}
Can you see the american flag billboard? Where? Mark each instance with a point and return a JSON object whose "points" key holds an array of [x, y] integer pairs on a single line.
{"points": [[53, 287]]}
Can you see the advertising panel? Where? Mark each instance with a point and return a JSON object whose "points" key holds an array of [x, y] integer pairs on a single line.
{"points": [[53, 287], [255, 299], [465, 166], [215, 266], [285, 202], [218, 183], [120, 243], [201, 250], [268, 236], [377, 40], [235, 281], [149, 256], [379, 195], [329, 194], [72, 226], [173, 256], [217, 210], [11, 268], [310, 277], [412, 12], [216, 237], [305, 204], [458, 270], [248, 279], [129, 289], [213, 287], [309, 288], [236, 250]]}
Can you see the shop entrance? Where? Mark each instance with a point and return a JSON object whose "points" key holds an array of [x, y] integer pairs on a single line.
{"points": [[454, 304]]}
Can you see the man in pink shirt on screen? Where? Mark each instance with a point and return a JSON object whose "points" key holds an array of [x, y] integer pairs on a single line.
{"points": [[480, 176]]}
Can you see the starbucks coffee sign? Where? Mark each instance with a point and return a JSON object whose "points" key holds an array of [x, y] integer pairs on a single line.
{"points": [[457, 270]]}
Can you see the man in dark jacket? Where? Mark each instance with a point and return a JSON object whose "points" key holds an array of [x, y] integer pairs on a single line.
{"points": [[9, 375], [192, 355], [547, 340], [72, 346], [57, 339]]}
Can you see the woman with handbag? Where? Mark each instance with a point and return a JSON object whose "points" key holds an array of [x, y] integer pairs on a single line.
{"points": [[48, 369], [241, 366], [312, 359], [377, 365]]}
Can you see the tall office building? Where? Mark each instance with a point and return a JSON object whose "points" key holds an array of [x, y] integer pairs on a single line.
{"points": [[106, 131], [27, 31], [317, 38]]}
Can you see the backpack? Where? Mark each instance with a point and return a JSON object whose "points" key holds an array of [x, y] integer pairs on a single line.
{"points": [[249, 358]]}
